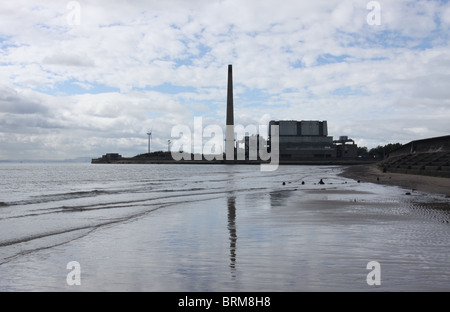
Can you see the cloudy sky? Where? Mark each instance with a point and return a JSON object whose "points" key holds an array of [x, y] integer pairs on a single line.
{"points": [[83, 78]]}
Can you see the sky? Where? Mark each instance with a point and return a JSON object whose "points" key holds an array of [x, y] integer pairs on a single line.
{"points": [[86, 78]]}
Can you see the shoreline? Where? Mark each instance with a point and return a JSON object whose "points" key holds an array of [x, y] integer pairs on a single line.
{"points": [[306, 162], [370, 173]]}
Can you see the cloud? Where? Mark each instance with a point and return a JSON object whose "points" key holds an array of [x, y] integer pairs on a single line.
{"points": [[13, 102], [132, 65], [68, 60]]}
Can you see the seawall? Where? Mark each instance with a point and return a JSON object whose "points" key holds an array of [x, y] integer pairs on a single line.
{"points": [[429, 157]]}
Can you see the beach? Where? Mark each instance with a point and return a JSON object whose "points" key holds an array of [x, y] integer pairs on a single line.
{"points": [[370, 173], [215, 228]]}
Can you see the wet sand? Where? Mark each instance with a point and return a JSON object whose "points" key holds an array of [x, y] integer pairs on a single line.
{"points": [[370, 173], [224, 229]]}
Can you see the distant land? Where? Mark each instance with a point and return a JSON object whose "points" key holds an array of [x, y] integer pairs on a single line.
{"points": [[74, 160], [161, 157]]}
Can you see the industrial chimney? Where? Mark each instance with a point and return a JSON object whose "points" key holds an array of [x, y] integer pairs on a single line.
{"points": [[229, 137]]}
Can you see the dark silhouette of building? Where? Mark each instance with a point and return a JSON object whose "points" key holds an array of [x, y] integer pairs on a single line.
{"points": [[303, 139], [111, 157], [308, 139], [344, 150]]}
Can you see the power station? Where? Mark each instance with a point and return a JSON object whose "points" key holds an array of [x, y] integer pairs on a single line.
{"points": [[293, 142], [298, 140]]}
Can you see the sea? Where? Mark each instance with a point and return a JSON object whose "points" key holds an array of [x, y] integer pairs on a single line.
{"points": [[214, 228]]}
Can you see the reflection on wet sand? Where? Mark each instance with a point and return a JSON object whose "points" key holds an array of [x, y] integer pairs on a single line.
{"points": [[232, 231], [292, 237], [278, 198]]}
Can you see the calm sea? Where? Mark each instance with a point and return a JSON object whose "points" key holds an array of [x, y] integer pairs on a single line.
{"points": [[215, 228]]}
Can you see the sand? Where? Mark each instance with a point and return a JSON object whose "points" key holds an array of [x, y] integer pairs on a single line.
{"points": [[223, 229], [370, 173]]}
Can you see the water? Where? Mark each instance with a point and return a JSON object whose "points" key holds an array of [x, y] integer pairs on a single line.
{"points": [[215, 228]]}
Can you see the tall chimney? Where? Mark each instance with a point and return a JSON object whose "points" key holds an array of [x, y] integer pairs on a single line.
{"points": [[230, 115], [229, 136]]}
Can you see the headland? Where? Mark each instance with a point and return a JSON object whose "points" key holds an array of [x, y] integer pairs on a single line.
{"points": [[166, 158]]}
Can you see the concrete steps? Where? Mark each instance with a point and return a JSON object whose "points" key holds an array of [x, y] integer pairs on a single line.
{"points": [[432, 164]]}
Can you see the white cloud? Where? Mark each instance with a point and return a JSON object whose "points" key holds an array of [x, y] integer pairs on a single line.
{"points": [[68, 60], [104, 82]]}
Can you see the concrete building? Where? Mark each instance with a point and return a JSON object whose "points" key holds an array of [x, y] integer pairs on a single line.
{"points": [[344, 150], [309, 139], [298, 140], [304, 140]]}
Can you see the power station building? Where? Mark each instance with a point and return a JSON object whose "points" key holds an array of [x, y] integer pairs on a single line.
{"points": [[344, 150], [303, 139], [298, 140], [309, 139]]}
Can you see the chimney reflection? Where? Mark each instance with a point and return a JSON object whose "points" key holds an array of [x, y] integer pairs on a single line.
{"points": [[232, 231]]}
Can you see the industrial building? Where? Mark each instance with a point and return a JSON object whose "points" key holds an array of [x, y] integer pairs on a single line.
{"points": [[309, 139], [303, 139], [344, 150], [298, 140]]}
